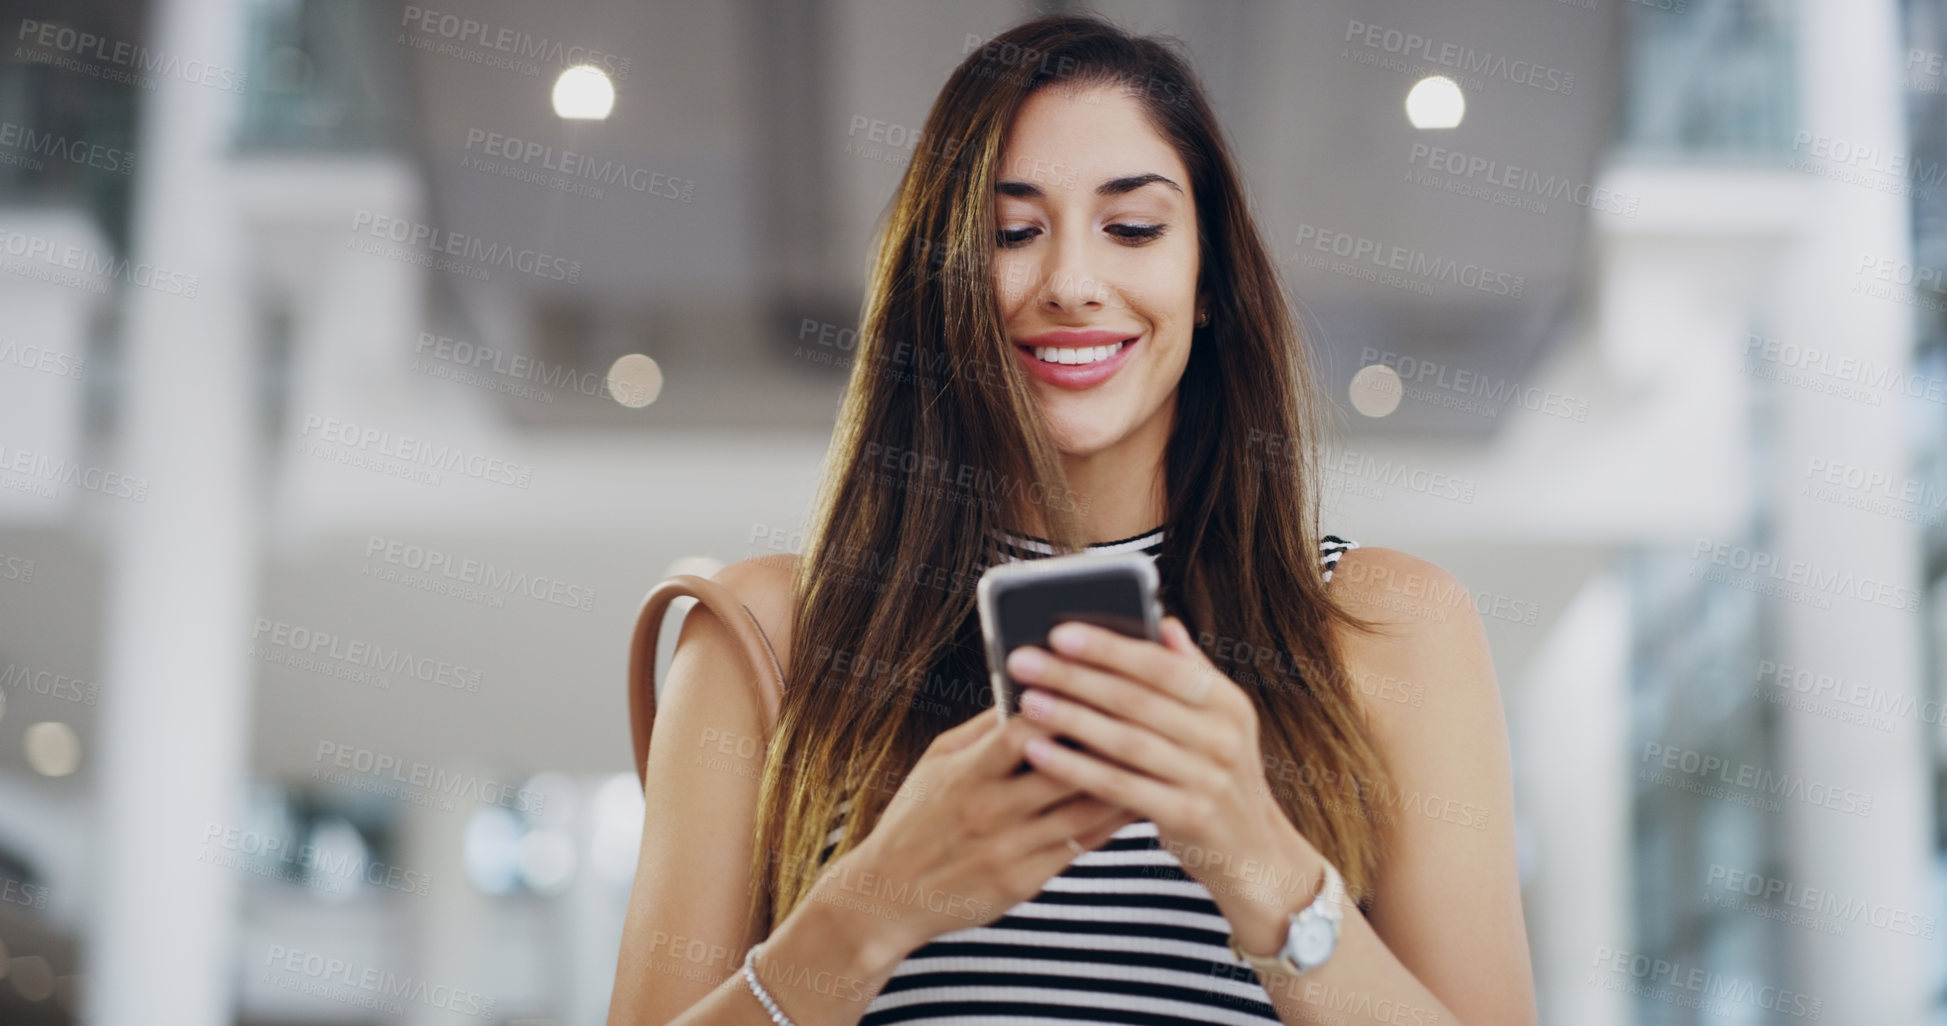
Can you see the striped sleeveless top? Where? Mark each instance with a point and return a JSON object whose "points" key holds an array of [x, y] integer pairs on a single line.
{"points": [[1121, 935]]}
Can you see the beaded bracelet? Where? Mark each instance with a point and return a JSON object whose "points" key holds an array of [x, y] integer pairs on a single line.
{"points": [[757, 989]]}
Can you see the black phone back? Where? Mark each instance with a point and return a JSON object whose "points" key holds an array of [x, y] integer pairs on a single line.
{"points": [[1021, 602]]}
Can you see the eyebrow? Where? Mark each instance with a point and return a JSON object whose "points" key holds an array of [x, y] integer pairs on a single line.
{"points": [[1112, 187]]}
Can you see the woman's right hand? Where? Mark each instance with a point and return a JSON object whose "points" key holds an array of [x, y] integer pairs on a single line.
{"points": [[968, 838]]}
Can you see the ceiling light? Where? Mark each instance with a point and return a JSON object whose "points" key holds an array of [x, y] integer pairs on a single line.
{"points": [[52, 748], [635, 380], [583, 93], [1376, 390], [1435, 102]]}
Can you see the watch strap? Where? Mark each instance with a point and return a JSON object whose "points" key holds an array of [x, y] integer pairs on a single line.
{"points": [[1328, 904]]}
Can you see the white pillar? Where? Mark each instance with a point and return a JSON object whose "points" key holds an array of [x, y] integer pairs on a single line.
{"points": [[460, 937], [1849, 86], [171, 751], [1575, 797]]}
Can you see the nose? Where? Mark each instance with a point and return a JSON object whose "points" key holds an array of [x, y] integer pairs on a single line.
{"points": [[1067, 284]]}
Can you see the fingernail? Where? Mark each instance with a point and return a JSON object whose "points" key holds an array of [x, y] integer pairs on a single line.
{"points": [[1040, 748], [1035, 703], [1067, 637], [1025, 662]]}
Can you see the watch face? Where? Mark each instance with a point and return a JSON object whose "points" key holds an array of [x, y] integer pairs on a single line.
{"points": [[1312, 942]]}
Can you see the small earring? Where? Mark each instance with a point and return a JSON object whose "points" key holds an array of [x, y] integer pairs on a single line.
{"points": [[1203, 318]]}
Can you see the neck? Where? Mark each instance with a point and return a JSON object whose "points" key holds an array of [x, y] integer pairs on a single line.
{"points": [[1120, 489]]}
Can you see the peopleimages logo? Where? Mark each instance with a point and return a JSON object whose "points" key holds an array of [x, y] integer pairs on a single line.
{"points": [[1761, 779], [576, 165], [1821, 901], [320, 970], [41, 468], [355, 652], [522, 44], [1524, 180], [468, 570], [516, 366], [470, 248], [1701, 988], [1817, 581], [82, 267], [1856, 693], [22, 677], [61, 149], [1414, 370], [41, 358], [417, 451], [269, 855], [1413, 263], [1848, 155], [416, 774], [1464, 59], [1842, 370], [140, 61]]}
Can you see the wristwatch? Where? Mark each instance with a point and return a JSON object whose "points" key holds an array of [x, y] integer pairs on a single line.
{"points": [[1311, 934]]}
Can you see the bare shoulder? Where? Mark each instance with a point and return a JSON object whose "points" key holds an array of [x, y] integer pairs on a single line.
{"points": [[1399, 588], [763, 584], [1430, 650]]}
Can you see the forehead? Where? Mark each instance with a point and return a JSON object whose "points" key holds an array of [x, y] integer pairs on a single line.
{"points": [[1073, 137]]}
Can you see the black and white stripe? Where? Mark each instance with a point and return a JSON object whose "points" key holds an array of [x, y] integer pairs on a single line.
{"points": [[1331, 547], [1021, 546], [1121, 935]]}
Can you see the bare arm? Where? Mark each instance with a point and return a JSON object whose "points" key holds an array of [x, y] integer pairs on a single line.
{"points": [[1447, 901], [686, 930]]}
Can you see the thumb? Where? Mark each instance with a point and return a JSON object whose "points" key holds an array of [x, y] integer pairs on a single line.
{"points": [[961, 735]]}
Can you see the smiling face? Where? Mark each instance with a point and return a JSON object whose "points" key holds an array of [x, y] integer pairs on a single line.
{"points": [[1096, 264]]}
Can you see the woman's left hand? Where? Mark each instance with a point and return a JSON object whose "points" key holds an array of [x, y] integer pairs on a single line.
{"points": [[1182, 744]]}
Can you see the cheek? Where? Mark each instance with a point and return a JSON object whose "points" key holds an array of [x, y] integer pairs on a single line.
{"points": [[1011, 275], [1164, 288]]}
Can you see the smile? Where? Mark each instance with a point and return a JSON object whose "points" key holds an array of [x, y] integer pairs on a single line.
{"points": [[1076, 354], [1076, 367]]}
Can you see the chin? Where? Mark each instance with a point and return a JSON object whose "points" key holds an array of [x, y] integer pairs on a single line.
{"points": [[1082, 432]]}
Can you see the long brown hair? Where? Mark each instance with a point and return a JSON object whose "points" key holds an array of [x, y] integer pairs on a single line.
{"points": [[939, 444]]}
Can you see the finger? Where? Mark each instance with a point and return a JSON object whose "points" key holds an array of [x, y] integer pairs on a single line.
{"points": [[965, 733], [1128, 744], [1072, 818], [1031, 793], [1159, 801], [1138, 659], [1188, 726], [1113, 819], [1176, 637], [998, 753]]}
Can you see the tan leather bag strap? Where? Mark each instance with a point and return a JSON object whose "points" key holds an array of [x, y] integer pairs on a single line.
{"points": [[766, 675]]}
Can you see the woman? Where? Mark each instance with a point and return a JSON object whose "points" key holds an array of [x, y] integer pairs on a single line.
{"points": [[1072, 332]]}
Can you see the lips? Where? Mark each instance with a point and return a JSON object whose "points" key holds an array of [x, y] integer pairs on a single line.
{"points": [[1076, 359]]}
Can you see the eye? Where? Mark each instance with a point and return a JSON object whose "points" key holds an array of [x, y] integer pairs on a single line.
{"points": [[1008, 238], [1137, 234]]}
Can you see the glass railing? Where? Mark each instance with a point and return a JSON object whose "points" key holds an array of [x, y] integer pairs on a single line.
{"points": [[322, 75], [1711, 79], [66, 140]]}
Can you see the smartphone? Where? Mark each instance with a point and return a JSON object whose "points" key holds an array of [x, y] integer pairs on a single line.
{"points": [[1020, 602]]}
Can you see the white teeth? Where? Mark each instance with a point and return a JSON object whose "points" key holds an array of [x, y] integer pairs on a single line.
{"points": [[1076, 354]]}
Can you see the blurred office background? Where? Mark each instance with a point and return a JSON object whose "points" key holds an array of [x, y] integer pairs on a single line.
{"points": [[351, 396]]}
